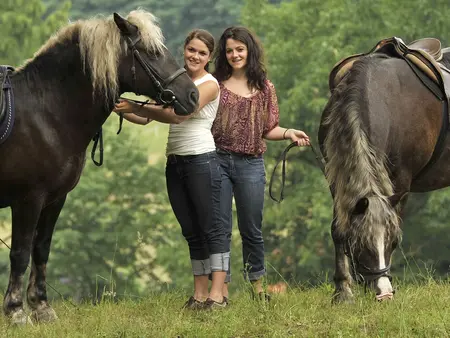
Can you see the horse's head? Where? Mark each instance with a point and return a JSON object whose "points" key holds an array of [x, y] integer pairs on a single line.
{"points": [[371, 238], [148, 68]]}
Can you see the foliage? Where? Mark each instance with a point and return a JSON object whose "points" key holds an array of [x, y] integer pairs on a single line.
{"points": [[25, 26], [177, 17]]}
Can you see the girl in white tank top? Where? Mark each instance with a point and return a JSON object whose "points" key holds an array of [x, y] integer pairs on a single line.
{"points": [[193, 174], [193, 136]]}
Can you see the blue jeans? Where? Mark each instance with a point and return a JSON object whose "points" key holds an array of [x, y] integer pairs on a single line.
{"points": [[244, 178], [194, 188]]}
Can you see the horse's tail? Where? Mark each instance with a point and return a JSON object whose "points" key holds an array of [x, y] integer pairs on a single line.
{"points": [[355, 168]]}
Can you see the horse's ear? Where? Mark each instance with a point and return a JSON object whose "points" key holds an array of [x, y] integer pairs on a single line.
{"points": [[124, 25], [397, 198], [361, 206]]}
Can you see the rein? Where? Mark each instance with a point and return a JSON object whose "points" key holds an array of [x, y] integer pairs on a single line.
{"points": [[142, 103], [320, 161]]}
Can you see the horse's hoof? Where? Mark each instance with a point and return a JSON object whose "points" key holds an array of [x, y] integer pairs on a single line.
{"points": [[343, 297], [385, 296], [44, 315], [20, 318]]}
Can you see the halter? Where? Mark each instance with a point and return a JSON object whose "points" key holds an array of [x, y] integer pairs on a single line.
{"points": [[362, 273]]}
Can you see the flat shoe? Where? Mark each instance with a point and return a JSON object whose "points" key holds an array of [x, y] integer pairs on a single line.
{"points": [[193, 304], [213, 305]]}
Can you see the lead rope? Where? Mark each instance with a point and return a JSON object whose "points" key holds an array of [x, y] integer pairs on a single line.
{"points": [[282, 159]]}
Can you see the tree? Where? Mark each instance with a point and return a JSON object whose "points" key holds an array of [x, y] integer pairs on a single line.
{"points": [[25, 26], [176, 19]]}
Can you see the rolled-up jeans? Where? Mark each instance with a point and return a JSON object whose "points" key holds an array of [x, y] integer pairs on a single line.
{"points": [[243, 176], [194, 189]]}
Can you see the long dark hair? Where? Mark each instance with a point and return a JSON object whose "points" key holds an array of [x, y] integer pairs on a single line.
{"points": [[254, 70], [205, 37]]}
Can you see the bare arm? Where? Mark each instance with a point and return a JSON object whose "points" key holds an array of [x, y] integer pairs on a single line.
{"points": [[133, 118], [279, 133], [137, 113]]}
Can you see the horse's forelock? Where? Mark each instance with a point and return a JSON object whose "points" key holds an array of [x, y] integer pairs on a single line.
{"points": [[354, 167], [151, 34]]}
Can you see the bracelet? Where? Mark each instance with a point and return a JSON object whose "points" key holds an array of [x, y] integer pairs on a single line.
{"points": [[284, 134]]}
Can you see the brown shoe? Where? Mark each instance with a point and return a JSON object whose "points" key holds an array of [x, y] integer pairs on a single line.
{"points": [[193, 304], [213, 305]]}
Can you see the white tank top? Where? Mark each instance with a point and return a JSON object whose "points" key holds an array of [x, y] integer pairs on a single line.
{"points": [[193, 136]]}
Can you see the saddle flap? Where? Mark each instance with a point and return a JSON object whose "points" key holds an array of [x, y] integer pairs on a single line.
{"points": [[340, 69]]}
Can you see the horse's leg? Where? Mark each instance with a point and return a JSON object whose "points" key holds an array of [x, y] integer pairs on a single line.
{"points": [[383, 286], [37, 291], [24, 219], [342, 277]]}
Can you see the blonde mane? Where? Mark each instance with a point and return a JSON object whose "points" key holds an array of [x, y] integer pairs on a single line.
{"points": [[355, 169], [101, 46]]}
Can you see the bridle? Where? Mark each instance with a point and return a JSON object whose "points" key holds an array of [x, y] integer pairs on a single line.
{"points": [[164, 96]]}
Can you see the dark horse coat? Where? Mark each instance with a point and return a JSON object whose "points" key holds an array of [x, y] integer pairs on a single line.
{"points": [[63, 96], [377, 133]]}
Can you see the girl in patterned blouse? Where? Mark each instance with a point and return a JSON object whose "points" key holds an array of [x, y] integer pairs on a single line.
{"points": [[248, 115]]}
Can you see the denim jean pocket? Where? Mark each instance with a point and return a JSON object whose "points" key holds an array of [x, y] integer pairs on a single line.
{"points": [[254, 160]]}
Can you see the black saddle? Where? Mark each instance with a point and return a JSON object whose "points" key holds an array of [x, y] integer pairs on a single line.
{"points": [[6, 103]]}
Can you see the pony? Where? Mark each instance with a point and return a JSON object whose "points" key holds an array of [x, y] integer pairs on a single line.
{"points": [[62, 96], [382, 135]]}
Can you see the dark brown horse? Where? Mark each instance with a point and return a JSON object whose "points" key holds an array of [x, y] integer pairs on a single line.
{"points": [[62, 97], [377, 134]]}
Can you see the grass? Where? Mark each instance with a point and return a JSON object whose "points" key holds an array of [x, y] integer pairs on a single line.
{"points": [[417, 311]]}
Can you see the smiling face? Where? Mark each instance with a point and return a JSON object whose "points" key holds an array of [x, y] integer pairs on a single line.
{"points": [[196, 56], [237, 53]]}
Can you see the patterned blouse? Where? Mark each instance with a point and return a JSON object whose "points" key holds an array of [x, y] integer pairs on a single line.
{"points": [[241, 122]]}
